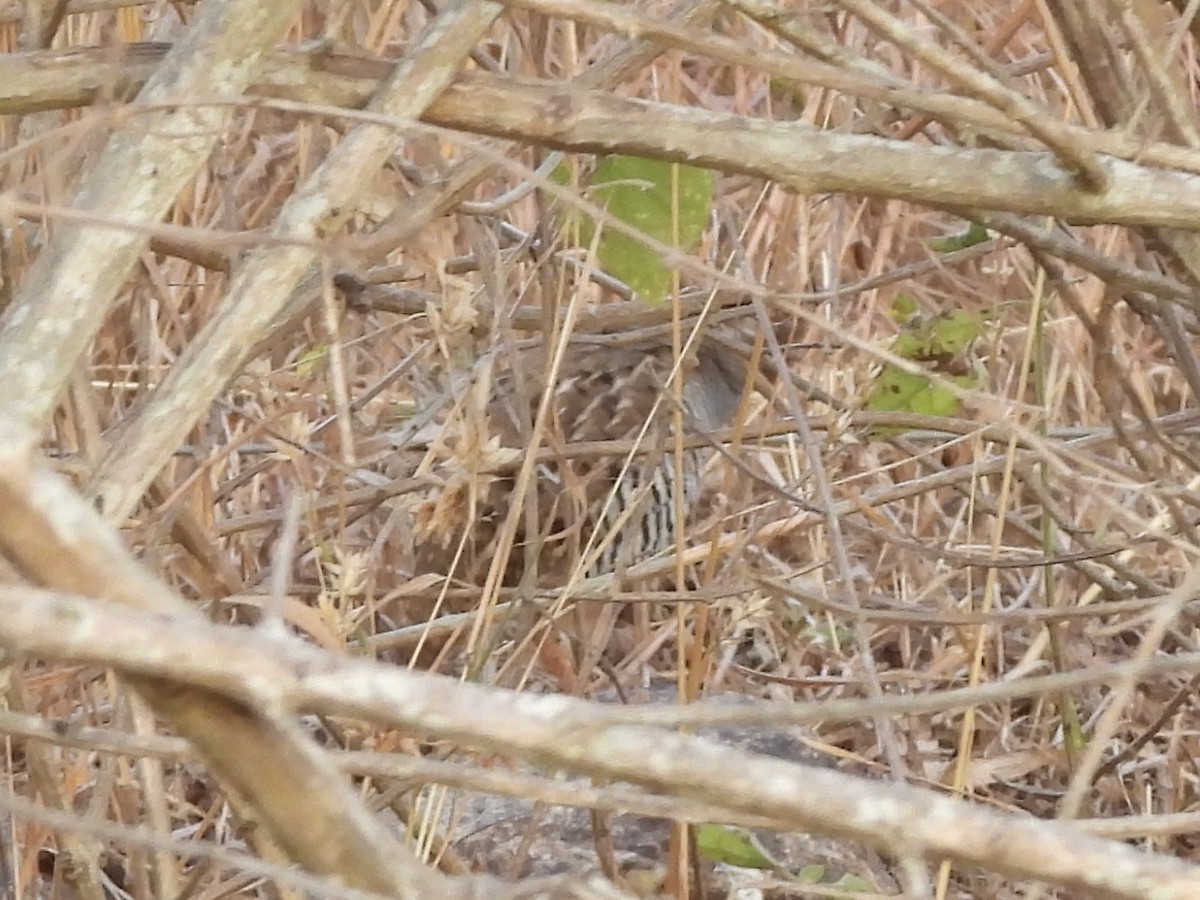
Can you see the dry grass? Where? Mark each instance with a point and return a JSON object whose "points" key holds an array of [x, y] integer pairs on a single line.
{"points": [[1006, 542]]}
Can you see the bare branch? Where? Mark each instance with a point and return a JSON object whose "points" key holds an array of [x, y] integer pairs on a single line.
{"points": [[64, 298], [262, 672]]}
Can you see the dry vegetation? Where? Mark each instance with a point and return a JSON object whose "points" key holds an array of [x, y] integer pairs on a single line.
{"points": [[256, 331]]}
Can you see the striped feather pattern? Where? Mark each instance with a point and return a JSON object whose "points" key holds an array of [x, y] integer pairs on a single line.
{"points": [[625, 507]]}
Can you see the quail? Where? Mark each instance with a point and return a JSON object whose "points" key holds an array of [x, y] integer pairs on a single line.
{"points": [[602, 511]]}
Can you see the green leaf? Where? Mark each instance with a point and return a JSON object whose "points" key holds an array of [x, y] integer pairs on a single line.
{"points": [[561, 174], [946, 334], [935, 400], [810, 874], [952, 332], [312, 361], [904, 309], [731, 846], [642, 193], [975, 234], [894, 390], [939, 344], [854, 884], [569, 218]]}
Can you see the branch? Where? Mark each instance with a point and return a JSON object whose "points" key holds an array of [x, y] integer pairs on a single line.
{"points": [[807, 159], [267, 277], [284, 676], [64, 298]]}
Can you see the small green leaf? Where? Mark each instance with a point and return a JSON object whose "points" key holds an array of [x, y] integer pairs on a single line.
{"points": [[939, 344], [975, 234], [894, 390], [935, 400], [946, 334], [810, 874], [816, 874], [854, 884], [561, 174], [312, 361], [952, 332], [904, 309], [731, 846], [569, 218]]}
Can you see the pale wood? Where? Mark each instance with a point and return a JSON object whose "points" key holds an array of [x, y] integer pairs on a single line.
{"points": [[267, 277], [285, 674], [62, 301]]}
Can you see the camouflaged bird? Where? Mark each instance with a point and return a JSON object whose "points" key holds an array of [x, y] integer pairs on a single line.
{"points": [[595, 509]]}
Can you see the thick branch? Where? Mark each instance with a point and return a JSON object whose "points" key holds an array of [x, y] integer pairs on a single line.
{"points": [[286, 675], [53, 538], [812, 161], [62, 301], [263, 284]]}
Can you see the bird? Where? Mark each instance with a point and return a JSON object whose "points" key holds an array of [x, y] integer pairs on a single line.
{"points": [[605, 492], [595, 511]]}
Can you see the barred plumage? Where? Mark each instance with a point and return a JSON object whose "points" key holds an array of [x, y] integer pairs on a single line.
{"points": [[603, 394]]}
